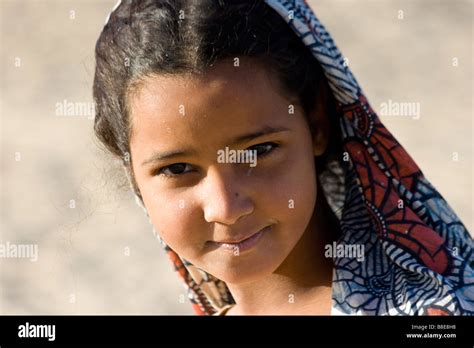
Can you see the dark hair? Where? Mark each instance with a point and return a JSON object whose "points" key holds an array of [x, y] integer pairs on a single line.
{"points": [[183, 36]]}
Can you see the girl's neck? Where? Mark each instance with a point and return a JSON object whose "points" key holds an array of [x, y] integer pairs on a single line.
{"points": [[303, 282]]}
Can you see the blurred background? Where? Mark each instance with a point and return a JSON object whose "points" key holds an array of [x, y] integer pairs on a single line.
{"points": [[59, 190]]}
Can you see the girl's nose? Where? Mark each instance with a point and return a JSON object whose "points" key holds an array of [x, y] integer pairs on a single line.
{"points": [[225, 197]]}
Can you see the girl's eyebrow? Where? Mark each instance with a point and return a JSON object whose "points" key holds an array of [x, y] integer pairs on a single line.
{"points": [[266, 130]]}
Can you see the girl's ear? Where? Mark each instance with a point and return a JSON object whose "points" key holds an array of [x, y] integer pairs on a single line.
{"points": [[319, 117]]}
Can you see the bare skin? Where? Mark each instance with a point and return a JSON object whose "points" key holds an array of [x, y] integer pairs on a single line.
{"points": [[303, 289], [194, 201]]}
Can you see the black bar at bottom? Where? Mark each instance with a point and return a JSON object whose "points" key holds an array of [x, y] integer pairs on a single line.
{"points": [[136, 330]]}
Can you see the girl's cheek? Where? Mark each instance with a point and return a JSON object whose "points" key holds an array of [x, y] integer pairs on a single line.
{"points": [[173, 220]]}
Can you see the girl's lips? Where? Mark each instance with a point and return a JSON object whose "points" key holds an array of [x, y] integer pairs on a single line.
{"points": [[245, 244]]}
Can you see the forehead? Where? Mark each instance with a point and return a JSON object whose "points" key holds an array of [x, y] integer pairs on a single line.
{"points": [[220, 85], [225, 99]]}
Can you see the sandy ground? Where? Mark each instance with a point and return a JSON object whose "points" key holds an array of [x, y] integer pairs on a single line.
{"points": [[97, 253]]}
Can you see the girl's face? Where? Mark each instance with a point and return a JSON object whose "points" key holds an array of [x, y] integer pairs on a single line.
{"points": [[198, 203]]}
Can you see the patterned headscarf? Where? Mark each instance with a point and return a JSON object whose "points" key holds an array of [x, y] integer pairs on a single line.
{"points": [[418, 255]]}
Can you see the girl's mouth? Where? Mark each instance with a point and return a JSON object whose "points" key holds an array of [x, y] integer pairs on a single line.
{"points": [[243, 245]]}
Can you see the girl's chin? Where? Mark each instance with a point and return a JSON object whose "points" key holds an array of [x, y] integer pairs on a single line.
{"points": [[242, 278], [244, 270]]}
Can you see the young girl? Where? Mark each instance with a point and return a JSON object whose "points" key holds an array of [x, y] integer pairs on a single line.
{"points": [[272, 184]]}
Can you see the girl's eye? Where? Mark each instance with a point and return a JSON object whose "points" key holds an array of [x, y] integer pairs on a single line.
{"points": [[177, 169], [264, 149], [173, 170]]}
